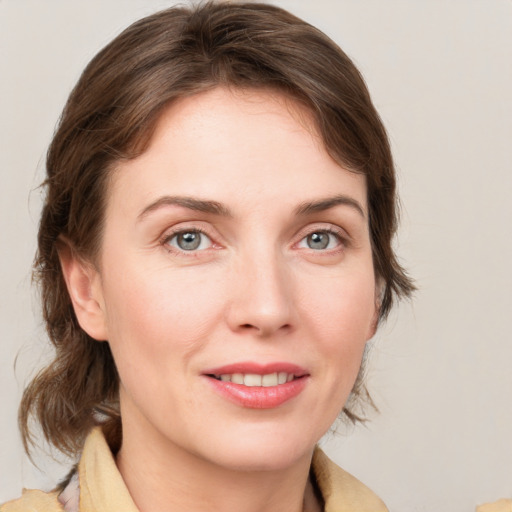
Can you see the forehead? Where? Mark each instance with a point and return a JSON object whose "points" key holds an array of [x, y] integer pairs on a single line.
{"points": [[232, 143], [250, 112]]}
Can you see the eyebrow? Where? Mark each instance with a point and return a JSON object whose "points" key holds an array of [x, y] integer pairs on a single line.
{"points": [[216, 208], [328, 203], [191, 203]]}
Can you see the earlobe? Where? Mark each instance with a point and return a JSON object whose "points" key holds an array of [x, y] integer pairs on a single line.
{"points": [[84, 288]]}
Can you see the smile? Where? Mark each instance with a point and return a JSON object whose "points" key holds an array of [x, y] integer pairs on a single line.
{"points": [[256, 386], [256, 380]]}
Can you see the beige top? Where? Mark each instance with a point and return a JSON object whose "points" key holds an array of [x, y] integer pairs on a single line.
{"points": [[497, 506], [102, 489]]}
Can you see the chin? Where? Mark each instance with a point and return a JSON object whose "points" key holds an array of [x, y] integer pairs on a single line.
{"points": [[259, 453]]}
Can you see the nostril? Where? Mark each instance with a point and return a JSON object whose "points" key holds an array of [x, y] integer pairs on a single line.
{"points": [[264, 329]]}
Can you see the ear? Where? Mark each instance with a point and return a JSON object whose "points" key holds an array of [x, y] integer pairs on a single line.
{"points": [[84, 287]]}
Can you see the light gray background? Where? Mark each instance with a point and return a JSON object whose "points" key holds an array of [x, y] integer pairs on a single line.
{"points": [[440, 74]]}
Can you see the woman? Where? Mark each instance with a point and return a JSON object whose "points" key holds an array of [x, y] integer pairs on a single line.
{"points": [[214, 254]]}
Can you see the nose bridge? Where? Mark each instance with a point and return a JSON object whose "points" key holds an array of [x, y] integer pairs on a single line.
{"points": [[262, 291]]}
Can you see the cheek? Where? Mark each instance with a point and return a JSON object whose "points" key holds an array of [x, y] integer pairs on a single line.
{"points": [[341, 315], [157, 315], [342, 307]]}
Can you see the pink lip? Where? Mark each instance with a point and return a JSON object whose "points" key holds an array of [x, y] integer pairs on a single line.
{"points": [[257, 397]]}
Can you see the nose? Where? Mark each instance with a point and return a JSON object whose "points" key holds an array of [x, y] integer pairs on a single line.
{"points": [[261, 297]]}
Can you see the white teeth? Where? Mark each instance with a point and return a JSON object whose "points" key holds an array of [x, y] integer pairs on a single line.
{"points": [[237, 378], [252, 380], [255, 380], [269, 380]]}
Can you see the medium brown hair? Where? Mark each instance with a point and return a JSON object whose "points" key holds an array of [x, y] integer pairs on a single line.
{"points": [[110, 116]]}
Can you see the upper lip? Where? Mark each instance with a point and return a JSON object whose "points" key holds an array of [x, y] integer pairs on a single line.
{"points": [[257, 368]]}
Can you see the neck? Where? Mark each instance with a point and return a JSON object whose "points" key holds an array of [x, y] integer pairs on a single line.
{"points": [[165, 477]]}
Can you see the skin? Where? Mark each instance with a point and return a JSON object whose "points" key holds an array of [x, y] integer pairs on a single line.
{"points": [[254, 290]]}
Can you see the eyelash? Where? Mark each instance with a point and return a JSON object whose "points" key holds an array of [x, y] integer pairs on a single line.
{"points": [[341, 238], [166, 239]]}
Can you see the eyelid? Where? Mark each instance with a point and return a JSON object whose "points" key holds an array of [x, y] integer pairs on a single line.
{"points": [[326, 227], [184, 227], [176, 236]]}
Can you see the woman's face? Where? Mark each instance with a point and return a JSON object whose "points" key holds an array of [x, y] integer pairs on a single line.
{"points": [[236, 285]]}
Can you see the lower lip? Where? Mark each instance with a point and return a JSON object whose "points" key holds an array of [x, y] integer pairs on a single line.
{"points": [[259, 397]]}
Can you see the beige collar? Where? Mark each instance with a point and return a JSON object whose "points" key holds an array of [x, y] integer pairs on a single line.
{"points": [[102, 489], [340, 490]]}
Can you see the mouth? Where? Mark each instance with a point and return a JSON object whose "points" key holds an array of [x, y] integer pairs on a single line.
{"points": [[258, 386], [256, 380]]}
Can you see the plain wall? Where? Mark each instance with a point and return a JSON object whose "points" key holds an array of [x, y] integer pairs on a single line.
{"points": [[440, 74]]}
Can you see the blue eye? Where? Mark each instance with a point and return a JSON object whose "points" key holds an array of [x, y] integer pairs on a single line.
{"points": [[320, 240], [192, 240]]}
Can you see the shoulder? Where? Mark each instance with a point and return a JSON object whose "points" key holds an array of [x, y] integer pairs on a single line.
{"points": [[341, 491], [498, 506], [34, 501]]}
